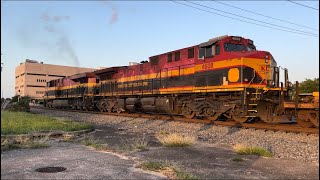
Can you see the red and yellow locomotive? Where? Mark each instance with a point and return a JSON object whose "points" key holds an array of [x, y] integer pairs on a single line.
{"points": [[223, 78]]}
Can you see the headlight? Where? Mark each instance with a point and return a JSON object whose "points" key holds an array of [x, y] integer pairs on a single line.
{"points": [[271, 83]]}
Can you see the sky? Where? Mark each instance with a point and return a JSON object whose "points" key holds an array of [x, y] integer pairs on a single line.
{"points": [[113, 33]]}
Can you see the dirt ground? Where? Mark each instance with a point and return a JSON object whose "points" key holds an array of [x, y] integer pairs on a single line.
{"points": [[208, 161]]}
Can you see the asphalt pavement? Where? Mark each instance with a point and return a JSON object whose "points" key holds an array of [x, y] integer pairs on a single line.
{"points": [[80, 162]]}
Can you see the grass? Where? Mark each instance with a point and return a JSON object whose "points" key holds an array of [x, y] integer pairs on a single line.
{"points": [[135, 144], [24, 123], [243, 150], [167, 169], [175, 140], [94, 143]]}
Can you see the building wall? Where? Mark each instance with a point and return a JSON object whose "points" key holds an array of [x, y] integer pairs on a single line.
{"points": [[32, 77]]}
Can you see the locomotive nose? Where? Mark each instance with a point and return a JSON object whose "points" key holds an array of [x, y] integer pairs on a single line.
{"points": [[257, 54]]}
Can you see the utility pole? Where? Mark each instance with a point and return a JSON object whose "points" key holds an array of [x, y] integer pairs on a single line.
{"points": [[1, 64], [1, 72]]}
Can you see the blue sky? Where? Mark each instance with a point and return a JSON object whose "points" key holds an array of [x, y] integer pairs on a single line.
{"points": [[103, 34]]}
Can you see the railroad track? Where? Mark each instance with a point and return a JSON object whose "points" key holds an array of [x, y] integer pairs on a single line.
{"points": [[256, 125]]}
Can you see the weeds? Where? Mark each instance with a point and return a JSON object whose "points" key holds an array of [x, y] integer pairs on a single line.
{"points": [[154, 165], [135, 144], [184, 175], [237, 159], [24, 142], [175, 140], [68, 137], [94, 143], [242, 149], [162, 132], [167, 169]]}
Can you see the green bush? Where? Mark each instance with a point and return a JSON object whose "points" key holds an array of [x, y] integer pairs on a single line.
{"points": [[15, 98], [309, 85], [20, 104]]}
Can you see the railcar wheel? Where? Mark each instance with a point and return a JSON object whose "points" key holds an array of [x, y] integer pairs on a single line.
{"points": [[188, 112], [304, 119]]}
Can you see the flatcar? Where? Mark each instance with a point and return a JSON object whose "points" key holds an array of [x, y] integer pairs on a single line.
{"points": [[225, 78]]}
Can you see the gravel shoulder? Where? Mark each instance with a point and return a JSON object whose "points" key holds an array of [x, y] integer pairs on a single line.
{"points": [[296, 156]]}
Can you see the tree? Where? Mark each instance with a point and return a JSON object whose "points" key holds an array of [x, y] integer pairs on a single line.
{"points": [[309, 85]]}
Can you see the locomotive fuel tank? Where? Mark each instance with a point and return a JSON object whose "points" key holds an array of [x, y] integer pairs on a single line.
{"points": [[60, 103], [157, 104]]}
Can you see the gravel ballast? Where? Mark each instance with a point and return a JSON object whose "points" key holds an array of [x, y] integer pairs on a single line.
{"points": [[283, 145]]}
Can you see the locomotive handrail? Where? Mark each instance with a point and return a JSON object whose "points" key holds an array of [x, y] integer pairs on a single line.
{"points": [[260, 84], [254, 75]]}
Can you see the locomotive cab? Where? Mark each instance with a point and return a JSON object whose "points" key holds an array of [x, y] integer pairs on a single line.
{"points": [[233, 60]]}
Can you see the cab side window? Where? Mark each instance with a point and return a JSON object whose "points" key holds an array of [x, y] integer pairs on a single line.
{"points": [[208, 52], [201, 52], [217, 49], [169, 57], [177, 56], [190, 53]]}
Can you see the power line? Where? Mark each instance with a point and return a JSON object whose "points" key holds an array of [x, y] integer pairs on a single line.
{"points": [[241, 19], [264, 15], [304, 5], [252, 19]]}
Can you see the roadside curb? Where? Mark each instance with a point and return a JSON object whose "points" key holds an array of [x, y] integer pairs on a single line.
{"points": [[48, 133]]}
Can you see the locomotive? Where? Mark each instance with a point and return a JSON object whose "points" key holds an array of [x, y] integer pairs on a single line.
{"points": [[225, 78]]}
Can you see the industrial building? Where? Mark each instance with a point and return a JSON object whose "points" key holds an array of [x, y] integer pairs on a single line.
{"points": [[32, 76]]}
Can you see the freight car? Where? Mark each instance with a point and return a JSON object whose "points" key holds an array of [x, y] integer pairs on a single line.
{"points": [[223, 78]]}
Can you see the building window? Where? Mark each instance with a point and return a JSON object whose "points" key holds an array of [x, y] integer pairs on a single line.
{"points": [[55, 75], [190, 53], [34, 86], [177, 56], [169, 57], [36, 74]]}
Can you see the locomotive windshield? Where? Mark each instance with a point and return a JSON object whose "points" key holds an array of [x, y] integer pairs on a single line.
{"points": [[238, 47]]}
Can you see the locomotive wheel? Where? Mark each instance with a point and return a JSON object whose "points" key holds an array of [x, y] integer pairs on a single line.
{"points": [[314, 118], [119, 110], [237, 116], [100, 108], [104, 106], [214, 117], [188, 112], [304, 119]]}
